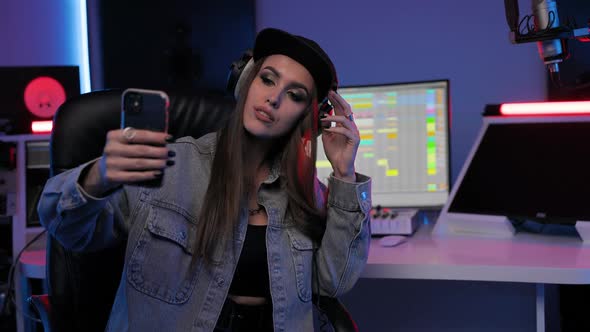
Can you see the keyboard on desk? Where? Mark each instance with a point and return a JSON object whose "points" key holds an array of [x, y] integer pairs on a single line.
{"points": [[386, 221]]}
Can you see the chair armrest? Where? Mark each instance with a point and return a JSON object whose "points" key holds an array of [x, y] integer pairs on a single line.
{"points": [[41, 305], [339, 317]]}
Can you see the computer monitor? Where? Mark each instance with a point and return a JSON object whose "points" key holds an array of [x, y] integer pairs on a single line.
{"points": [[522, 169], [404, 146]]}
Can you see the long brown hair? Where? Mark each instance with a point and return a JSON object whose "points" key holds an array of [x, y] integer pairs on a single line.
{"points": [[230, 178]]}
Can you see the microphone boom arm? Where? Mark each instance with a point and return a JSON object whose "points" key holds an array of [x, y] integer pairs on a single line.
{"points": [[580, 34], [562, 32]]}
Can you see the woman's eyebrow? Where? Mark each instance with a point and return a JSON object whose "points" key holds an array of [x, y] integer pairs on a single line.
{"points": [[291, 84]]}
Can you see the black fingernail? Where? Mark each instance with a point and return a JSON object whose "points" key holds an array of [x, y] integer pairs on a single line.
{"points": [[170, 162], [169, 139], [171, 153]]}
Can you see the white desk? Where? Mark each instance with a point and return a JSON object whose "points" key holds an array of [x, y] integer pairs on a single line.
{"points": [[526, 258]]}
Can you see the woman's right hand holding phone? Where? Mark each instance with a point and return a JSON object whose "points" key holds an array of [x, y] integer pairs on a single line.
{"points": [[130, 156]]}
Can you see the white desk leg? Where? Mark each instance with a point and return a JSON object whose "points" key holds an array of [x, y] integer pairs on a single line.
{"points": [[19, 288], [22, 291], [540, 308]]}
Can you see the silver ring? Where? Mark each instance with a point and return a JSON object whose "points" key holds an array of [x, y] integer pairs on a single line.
{"points": [[350, 117], [129, 134]]}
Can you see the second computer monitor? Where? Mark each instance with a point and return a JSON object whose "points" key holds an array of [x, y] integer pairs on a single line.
{"points": [[404, 146]]}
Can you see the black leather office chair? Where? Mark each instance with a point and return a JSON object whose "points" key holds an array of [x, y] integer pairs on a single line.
{"points": [[82, 286]]}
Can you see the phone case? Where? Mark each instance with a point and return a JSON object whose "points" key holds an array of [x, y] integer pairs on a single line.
{"points": [[145, 109]]}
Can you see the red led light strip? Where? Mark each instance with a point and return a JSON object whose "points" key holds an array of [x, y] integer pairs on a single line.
{"points": [[38, 127], [546, 108]]}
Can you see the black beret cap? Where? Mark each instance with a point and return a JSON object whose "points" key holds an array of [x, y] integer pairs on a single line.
{"points": [[305, 51]]}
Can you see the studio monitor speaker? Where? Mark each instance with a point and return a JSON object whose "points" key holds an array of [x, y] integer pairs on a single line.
{"points": [[33, 94]]}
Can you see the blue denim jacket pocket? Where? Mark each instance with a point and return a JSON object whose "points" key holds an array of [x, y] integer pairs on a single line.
{"points": [[162, 264], [302, 253]]}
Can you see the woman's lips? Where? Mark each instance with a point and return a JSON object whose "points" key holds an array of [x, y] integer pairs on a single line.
{"points": [[263, 115]]}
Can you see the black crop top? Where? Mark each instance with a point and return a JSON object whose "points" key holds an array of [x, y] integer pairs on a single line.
{"points": [[251, 276]]}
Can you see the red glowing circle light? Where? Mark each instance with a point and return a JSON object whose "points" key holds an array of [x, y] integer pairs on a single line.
{"points": [[43, 95]]}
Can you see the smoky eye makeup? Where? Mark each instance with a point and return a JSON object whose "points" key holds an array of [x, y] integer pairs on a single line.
{"points": [[298, 96], [296, 91], [269, 73], [299, 91], [266, 79], [301, 95]]}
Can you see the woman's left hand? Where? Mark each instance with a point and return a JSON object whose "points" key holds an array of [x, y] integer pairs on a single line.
{"points": [[341, 142]]}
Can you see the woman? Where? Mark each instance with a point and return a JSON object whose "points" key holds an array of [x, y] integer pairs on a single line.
{"points": [[240, 233]]}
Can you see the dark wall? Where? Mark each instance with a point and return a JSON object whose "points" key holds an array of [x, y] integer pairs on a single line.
{"points": [[575, 71], [173, 44]]}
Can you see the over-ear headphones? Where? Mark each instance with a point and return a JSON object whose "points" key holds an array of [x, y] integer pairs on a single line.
{"points": [[241, 68], [238, 71]]}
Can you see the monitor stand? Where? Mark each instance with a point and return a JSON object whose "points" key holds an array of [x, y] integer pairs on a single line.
{"points": [[496, 227], [583, 228], [474, 225]]}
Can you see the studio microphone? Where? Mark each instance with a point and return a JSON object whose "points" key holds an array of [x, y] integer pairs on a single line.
{"points": [[551, 51]]}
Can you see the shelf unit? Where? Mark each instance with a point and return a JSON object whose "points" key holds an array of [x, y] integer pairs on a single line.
{"points": [[39, 151]]}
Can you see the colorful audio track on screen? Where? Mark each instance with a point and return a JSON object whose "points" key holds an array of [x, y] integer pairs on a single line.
{"points": [[404, 142]]}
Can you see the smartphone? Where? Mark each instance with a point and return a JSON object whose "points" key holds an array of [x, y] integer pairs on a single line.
{"points": [[145, 109]]}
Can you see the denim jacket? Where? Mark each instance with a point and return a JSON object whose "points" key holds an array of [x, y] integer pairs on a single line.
{"points": [[163, 288]]}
